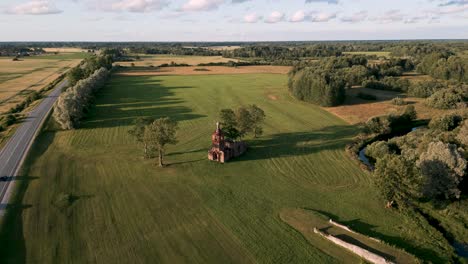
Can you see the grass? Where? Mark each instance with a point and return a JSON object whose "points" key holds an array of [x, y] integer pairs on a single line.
{"points": [[88, 196], [304, 221]]}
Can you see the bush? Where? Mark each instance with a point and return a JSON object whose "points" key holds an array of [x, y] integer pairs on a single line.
{"points": [[201, 69], [378, 125], [10, 120], [398, 101], [377, 149], [449, 98], [366, 96], [446, 122]]}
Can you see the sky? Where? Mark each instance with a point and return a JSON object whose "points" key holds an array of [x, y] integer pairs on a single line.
{"points": [[231, 20]]}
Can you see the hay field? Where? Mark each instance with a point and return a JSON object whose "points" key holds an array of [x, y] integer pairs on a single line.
{"points": [[87, 196], [64, 50], [19, 78], [156, 60], [206, 70]]}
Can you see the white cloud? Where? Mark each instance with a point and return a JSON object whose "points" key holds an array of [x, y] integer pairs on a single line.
{"points": [[36, 7], [355, 18], [451, 10], [275, 17], [139, 5], [201, 5], [322, 17], [298, 16], [301, 15], [252, 18]]}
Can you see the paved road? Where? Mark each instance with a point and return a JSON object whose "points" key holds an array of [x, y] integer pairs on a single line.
{"points": [[17, 147]]}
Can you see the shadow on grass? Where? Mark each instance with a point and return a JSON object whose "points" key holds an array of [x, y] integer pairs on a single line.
{"points": [[124, 99], [298, 143], [12, 243], [359, 226], [381, 96]]}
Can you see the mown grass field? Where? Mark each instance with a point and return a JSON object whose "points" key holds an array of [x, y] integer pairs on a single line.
{"points": [[119, 208]]}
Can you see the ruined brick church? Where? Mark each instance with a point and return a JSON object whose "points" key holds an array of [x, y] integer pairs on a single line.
{"points": [[223, 149]]}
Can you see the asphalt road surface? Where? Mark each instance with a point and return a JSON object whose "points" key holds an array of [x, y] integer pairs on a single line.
{"points": [[14, 152]]}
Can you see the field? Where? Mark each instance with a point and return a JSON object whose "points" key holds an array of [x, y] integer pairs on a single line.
{"points": [[156, 60], [87, 196], [206, 70], [19, 78], [370, 53]]}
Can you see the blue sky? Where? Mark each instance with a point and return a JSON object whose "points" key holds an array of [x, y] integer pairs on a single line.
{"points": [[231, 20]]}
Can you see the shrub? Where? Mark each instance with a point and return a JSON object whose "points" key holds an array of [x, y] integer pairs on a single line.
{"points": [[201, 69], [446, 122], [10, 120], [398, 101], [449, 98], [377, 149], [463, 134], [366, 96], [378, 125]]}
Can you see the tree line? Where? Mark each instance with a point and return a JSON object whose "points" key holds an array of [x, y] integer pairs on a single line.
{"points": [[74, 102]]}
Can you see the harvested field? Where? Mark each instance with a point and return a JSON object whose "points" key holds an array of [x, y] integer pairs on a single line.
{"points": [[209, 70], [64, 50], [156, 60], [19, 78]]}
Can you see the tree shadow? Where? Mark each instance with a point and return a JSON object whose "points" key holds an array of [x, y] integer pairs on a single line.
{"points": [[361, 227], [381, 95], [298, 143], [124, 99], [12, 243]]}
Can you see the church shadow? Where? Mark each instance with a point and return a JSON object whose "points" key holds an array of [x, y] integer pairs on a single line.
{"points": [[364, 228], [117, 105], [297, 143]]}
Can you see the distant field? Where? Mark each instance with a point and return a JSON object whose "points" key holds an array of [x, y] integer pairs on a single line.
{"points": [[65, 49], [224, 47], [87, 196], [19, 78], [206, 70], [370, 53], [156, 60]]}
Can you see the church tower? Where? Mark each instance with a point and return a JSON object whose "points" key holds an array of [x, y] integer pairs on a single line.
{"points": [[217, 138]]}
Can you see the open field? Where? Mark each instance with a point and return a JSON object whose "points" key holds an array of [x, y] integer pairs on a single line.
{"points": [[206, 70], [87, 195], [156, 60], [64, 50], [19, 78], [370, 53]]}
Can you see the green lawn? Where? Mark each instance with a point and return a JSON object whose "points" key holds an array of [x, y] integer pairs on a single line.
{"points": [[87, 196]]}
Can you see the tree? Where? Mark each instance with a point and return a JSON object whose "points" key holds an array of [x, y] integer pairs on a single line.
{"points": [[257, 116], [397, 179], [244, 121], [138, 131], [160, 133], [75, 74], [442, 167], [229, 122]]}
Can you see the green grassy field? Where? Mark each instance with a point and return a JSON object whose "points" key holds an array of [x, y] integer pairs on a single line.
{"points": [[87, 196]]}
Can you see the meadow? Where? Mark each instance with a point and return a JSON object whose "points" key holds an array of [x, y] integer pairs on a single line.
{"points": [[88, 196], [385, 54], [19, 78]]}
